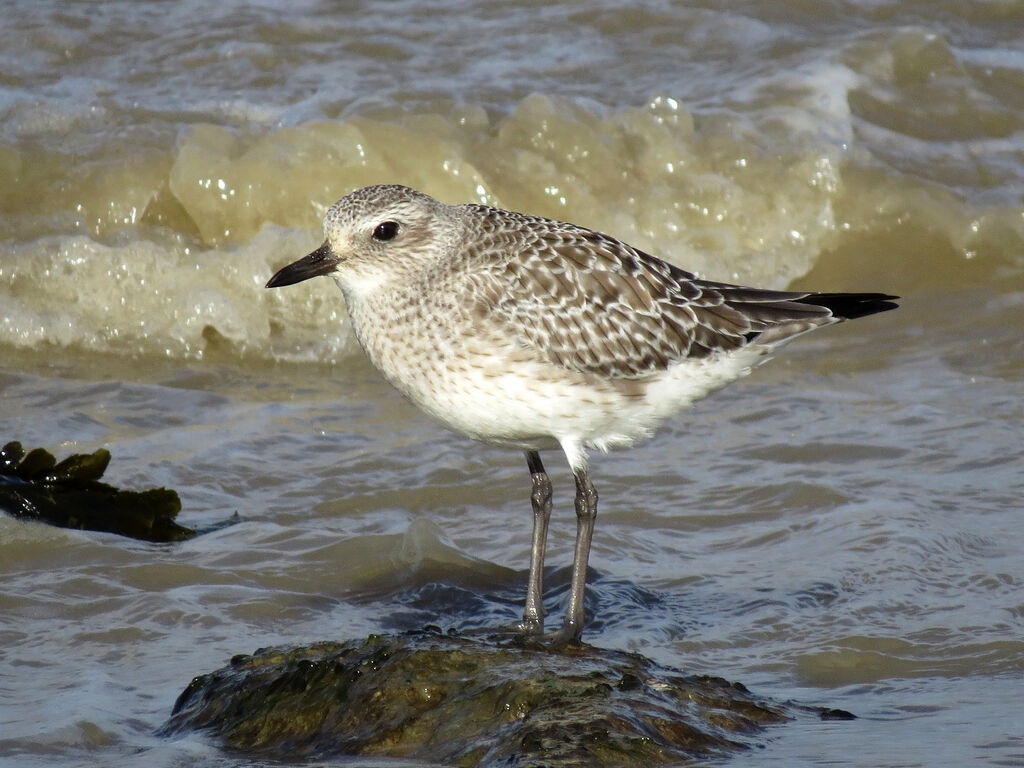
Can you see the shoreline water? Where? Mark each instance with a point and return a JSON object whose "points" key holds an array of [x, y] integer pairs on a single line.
{"points": [[841, 527]]}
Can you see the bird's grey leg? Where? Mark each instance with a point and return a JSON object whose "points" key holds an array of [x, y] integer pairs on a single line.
{"points": [[533, 614], [586, 514]]}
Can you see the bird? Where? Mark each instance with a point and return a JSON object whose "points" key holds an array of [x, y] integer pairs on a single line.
{"points": [[530, 333]]}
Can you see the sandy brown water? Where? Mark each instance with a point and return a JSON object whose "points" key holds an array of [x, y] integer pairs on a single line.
{"points": [[842, 528]]}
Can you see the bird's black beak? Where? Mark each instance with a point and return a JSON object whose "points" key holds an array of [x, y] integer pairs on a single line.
{"points": [[320, 262]]}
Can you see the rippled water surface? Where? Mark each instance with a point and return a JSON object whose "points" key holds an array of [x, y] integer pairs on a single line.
{"points": [[843, 528]]}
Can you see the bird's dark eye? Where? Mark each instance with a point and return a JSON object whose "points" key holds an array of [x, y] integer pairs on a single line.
{"points": [[386, 230]]}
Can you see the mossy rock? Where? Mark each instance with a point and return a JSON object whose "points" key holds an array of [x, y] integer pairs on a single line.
{"points": [[469, 701]]}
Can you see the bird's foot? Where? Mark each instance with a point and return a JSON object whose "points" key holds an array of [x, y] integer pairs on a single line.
{"points": [[566, 636], [529, 626]]}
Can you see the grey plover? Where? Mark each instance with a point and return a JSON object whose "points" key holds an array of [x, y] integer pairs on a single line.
{"points": [[530, 333]]}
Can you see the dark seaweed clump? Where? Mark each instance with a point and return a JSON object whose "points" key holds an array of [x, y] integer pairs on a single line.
{"points": [[33, 486]]}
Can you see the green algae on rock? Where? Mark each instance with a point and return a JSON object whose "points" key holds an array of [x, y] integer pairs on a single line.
{"points": [[469, 701], [34, 486]]}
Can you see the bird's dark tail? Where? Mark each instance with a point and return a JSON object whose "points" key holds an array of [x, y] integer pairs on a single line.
{"points": [[849, 306]]}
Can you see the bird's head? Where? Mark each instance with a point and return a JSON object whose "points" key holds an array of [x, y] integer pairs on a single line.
{"points": [[374, 236]]}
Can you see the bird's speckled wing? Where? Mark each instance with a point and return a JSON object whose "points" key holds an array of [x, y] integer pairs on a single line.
{"points": [[591, 303]]}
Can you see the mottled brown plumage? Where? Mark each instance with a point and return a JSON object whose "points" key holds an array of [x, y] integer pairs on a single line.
{"points": [[591, 303], [533, 333]]}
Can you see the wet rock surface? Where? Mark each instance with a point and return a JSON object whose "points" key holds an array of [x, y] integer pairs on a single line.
{"points": [[493, 700], [34, 486]]}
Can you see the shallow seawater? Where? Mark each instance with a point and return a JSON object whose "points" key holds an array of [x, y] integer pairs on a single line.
{"points": [[842, 528]]}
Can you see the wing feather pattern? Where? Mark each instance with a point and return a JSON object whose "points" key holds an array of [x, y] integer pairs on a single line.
{"points": [[591, 303]]}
